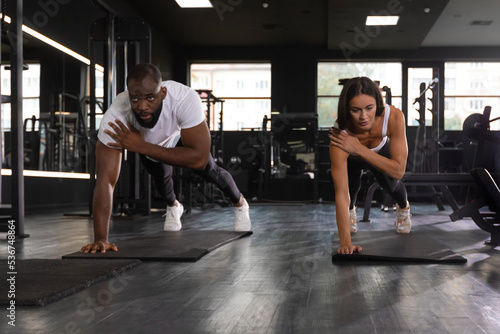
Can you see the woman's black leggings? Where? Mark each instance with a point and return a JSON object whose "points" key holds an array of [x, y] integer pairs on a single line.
{"points": [[162, 177], [395, 188]]}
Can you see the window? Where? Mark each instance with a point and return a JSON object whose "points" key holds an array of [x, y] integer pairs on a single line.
{"points": [[450, 83], [475, 84], [262, 105], [476, 105], [262, 84], [244, 88], [99, 94], [200, 79], [328, 89], [469, 88], [31, 94], [219, 84]]}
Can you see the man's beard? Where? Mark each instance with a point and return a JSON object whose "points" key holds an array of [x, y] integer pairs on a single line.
{"points": [[154, 120]]}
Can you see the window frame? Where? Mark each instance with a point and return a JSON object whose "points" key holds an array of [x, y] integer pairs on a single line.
{"points": [[473, 100], [240, 86], [5, 89]]}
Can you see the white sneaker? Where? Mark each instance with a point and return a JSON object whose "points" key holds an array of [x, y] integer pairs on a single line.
{"points": [[173, 217], [403, 221], [352, 220], [242, 217]]}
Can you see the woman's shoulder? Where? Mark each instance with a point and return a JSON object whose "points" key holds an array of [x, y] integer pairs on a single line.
{"points": [[396, 119], [389, 107], [395, 113]]}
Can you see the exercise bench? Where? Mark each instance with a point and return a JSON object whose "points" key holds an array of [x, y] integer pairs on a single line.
{"points": [[433, 180], [488, 221]]}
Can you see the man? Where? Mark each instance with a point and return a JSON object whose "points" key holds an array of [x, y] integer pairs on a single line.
{"points": [[149, 118]]}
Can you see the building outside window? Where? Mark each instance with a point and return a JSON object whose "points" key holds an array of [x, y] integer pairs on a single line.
{"points": [[99, 94], [469, 88], [31, 94], [262, 84], [245, 88]]}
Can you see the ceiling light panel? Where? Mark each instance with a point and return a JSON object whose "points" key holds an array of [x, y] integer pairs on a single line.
{"points": [[382, 20], [194, 3]]}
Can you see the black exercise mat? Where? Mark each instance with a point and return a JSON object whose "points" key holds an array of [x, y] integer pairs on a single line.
{"points": [[389, 246], [40, 282], [184, 245]]}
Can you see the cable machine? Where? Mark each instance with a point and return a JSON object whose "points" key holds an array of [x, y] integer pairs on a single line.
{"points": [[119, 43], [213, 123], [421, 144]]}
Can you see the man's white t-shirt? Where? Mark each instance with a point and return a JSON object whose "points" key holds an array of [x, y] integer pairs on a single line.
{"points": [[182, 109]]}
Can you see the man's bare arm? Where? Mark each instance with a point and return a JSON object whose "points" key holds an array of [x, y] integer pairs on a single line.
{"points": [[194, 153], [108, 163]]}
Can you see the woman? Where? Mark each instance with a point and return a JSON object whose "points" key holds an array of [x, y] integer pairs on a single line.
{"points": [[367, 135]]}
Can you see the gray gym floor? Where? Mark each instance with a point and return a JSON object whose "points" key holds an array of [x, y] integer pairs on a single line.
{"points": [[279, 280]]}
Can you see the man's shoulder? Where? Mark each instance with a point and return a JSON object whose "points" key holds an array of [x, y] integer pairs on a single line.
{"points": [[174, 85], [179, 92], [121, 102]]}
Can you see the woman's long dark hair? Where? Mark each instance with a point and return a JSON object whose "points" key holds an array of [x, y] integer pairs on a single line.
{"points": [[355, 87]]}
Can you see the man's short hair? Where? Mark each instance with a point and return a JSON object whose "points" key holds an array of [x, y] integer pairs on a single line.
{"points": [[141, 71]]}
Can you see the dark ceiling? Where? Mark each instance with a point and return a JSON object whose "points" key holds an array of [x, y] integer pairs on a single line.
{"points": [[328, 24], [245, 23], [332, 24]]}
